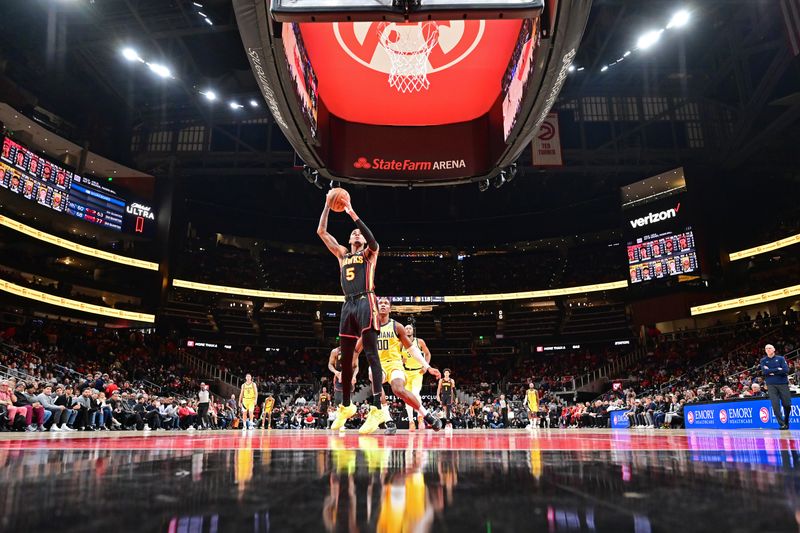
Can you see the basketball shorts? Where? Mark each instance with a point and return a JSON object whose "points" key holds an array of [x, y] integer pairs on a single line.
{"points": [[414, 381], [392, 370], [249, 405], [447, 399], [358, 315]]}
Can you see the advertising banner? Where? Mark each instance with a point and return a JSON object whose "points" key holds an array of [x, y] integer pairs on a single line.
{"points": [[742, 414], [547, 144], [619, 420]]}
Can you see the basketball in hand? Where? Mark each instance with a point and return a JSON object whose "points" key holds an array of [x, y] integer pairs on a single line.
{"points": [[338, 199]]}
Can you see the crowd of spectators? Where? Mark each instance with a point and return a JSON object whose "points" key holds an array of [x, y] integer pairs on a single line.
{"points": [[67, 377]]}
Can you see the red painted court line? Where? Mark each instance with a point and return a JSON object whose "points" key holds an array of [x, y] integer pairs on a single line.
{"points": [[489, 441]]}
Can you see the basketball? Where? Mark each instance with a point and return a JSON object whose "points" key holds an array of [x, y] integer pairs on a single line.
{"points": [[337, 199]]}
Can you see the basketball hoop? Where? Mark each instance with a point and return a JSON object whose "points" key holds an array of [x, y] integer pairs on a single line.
{"points": [[408, 47]]}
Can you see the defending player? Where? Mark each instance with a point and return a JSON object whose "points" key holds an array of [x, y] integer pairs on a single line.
{"points": [[446, 393], [335, 366], [391, 339], [532, 405], [359, 317], [414, 373], [247, 401]]}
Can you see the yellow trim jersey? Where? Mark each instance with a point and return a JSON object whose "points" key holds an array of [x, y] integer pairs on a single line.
{"points": [[269, 404], [390, 349], [532, 399], [409, 362], [249, 393]]}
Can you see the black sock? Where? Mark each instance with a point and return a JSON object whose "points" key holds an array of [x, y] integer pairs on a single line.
{"points": [[376, 400]]}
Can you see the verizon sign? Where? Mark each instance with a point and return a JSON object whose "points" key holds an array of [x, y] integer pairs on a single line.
{"points": [[658, 216]]}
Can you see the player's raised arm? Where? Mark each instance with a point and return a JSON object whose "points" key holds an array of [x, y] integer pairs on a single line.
{"points": [[413, 351], [372, 244], [322, 230]]}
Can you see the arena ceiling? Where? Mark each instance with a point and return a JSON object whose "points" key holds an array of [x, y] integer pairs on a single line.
{"points": [[66, 57]]}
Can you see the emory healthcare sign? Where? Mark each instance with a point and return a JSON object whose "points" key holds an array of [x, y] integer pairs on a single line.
{"points": [[741, 414]]}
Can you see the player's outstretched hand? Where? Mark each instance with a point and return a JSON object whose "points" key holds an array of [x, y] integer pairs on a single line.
{"points": [[434, 372]]}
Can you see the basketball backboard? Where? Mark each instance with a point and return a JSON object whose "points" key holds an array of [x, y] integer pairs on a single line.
{"points": [[398, 10]]}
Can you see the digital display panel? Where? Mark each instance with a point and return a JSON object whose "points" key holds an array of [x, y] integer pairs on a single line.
{"points": [[35, 178], [89, 201], [305, 80], [661, 256], [515, 81]]}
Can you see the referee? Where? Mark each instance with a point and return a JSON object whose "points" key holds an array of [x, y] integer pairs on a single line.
{"points": [[776, 375]]}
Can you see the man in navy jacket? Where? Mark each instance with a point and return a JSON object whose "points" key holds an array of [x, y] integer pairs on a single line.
{"points": [[776, 376]]}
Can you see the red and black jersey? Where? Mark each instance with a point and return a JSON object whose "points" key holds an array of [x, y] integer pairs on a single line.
{"points": [[358, 272]]}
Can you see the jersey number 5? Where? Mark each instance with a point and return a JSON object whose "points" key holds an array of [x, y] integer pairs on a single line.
{"points": [[350, 274]]}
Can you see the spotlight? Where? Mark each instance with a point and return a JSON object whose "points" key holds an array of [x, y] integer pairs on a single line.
{"points": [[571, 68], [500, 180], [483, 185], [208, 21], [253, 103], [648, 39], [210, 95], [202, 14], [512, 172], [131, 55], [310, 174], [679, 19], [605, 68], [160, 70], [235, 105]]}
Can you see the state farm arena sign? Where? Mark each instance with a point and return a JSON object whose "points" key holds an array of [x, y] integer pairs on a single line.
{"points": [[408, 153]]}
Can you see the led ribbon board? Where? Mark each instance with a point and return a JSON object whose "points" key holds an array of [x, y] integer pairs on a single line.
{"points": [[75, 247], [764, 248], [68, 303], [744, 301], [546, 293]]}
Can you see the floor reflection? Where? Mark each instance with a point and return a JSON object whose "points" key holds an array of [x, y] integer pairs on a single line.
{"points": [[720, 484]]}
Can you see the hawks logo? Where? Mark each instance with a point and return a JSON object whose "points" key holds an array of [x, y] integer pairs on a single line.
{"points": [[723, 416], [456, 39], [690, 417], [763, 414]]}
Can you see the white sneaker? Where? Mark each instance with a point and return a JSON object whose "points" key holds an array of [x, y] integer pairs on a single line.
{"points": [[146, 427], [55, 429], [190, 428], [529, 426], [65, 427]]}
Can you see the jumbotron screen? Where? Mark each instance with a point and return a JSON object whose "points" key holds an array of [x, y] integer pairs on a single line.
{"points": [[661, 256], [33, 177], [47, 183]]}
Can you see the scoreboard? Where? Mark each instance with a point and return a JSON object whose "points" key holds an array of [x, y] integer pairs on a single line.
{"points": [[47, 183]]}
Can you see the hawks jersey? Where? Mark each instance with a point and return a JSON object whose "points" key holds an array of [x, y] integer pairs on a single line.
{"points": [[358, 272], [389, 346], [409, 362]]}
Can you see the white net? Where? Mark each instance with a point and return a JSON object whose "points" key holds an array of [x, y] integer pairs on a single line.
{"points": [[408, 47]]}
